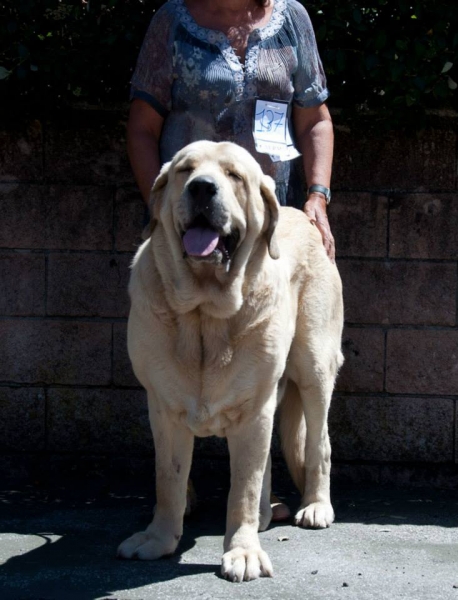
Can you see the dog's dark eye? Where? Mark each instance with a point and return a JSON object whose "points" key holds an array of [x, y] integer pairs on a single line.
{"points": [[235, 175]]}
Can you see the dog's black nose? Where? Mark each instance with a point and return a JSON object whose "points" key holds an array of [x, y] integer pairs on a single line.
{"points": [[202, 189]]}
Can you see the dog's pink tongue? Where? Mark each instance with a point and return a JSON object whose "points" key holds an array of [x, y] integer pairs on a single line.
{"points": [[200, 241]]}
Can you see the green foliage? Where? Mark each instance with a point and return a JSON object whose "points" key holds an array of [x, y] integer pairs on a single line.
{"points": [[397, 57], [55, 52]]}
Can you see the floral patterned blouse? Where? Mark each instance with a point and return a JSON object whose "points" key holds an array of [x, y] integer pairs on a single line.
{"points": [[193, 78]]}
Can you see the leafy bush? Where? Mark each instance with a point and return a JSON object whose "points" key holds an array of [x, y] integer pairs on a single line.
{"points": [[398, 57], [54, 52]]}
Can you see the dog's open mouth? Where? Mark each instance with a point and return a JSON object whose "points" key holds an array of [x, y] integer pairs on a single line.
{"points": [[202, 241]]}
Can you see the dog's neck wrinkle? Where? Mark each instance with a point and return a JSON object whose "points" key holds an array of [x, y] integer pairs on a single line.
{"points": [[209, 288], [185, 291], [189, 348], [203, 342], [226, 293]]}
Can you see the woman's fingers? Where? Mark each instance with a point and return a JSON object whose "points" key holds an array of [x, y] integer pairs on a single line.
{"points": [[315, 209]]}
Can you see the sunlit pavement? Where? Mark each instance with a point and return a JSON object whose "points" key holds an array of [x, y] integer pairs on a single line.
{"points": [[61, 543]]}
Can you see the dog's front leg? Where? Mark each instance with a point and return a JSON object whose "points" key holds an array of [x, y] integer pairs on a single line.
{"points": [[243, 557], [173, 445]]}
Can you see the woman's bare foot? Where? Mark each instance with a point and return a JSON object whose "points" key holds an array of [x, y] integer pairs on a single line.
{"points": [[280, 512]]}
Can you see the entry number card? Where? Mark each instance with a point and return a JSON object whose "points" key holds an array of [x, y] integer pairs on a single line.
{"points": [[270, 130]]}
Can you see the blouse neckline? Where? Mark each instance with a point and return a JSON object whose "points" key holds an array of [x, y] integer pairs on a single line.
{"points": [[213, 36]]}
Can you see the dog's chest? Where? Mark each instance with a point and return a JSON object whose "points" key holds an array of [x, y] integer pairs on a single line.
{"points": [[220, 374], [203, 346]]}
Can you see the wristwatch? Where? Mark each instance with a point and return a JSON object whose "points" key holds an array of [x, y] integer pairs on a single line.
{"points": [[322, 190]]}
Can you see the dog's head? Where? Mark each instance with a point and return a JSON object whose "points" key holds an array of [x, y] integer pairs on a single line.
{"points": [[214, 200]]}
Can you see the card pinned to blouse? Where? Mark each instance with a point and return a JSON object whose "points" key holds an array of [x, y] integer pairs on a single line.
{"points": [[271, 131]]}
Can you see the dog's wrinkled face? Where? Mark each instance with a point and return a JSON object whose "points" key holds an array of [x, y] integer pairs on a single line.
{"points": [[210, 212], [215, 196]]}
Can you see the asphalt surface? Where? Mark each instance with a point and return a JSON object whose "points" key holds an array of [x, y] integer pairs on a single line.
{"points": [[60, 543]]}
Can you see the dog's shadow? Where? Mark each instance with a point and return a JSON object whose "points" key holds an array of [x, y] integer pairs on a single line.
{"points": [[61, 542], [67, 549], [64, 547]]}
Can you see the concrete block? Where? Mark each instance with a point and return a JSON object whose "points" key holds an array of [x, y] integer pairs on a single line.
{"points": [[88, 285], [456, 431], [422, 362], [56, 217], [430, 477], [399, 292], [130, 219], [351, 474], [123, 374], [35, 351], [87, 148], [22, 284], [359, 224], [424, 226], [363, 368], [98, 421], [392, 429], [22, 423], [21, 151], [21, 467], [371, 160]]}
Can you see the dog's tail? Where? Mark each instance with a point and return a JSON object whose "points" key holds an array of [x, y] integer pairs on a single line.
{"points": [[292, 434]]}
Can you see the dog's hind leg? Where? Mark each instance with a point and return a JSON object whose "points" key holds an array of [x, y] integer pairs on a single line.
{"points": [[292, 434], [316, 510], [173, 445], [307, 451]]}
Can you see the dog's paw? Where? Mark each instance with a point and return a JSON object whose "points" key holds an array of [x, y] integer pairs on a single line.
{"points": [[144, 546], [317, 515], [241, 564]]}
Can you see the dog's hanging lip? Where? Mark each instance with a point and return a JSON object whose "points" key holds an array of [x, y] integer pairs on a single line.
{"points": [[200, 241]]}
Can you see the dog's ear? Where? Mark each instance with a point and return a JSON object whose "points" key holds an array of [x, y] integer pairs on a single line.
{"points": [[155, 199], [271, 202]]}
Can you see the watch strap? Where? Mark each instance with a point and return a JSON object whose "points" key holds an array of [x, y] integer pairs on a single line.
{"points": [[322, 190]]}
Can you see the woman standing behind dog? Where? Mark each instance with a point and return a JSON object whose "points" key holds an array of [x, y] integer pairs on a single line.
{"points": [[245, 71]]}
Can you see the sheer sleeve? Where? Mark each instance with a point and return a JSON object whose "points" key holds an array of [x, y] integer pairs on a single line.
{"points": [[309, 80], [153, 76]]}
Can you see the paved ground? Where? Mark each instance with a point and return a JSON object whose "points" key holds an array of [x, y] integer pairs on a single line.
{"points": [[60, 544]]}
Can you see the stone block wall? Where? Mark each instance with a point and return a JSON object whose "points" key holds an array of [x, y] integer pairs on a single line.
{"points": [[71, 218], [395, 219]]}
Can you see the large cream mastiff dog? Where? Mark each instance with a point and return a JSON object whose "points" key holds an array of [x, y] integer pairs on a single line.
{"points": [[236, 309]]}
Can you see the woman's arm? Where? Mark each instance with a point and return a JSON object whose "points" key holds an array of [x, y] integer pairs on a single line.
{"points": [[143, 132], [315, 140]]}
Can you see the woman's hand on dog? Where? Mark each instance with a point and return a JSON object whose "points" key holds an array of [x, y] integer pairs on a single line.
{"points": [[315, 209]]}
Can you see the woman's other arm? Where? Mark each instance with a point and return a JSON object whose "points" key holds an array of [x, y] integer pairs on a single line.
{"points": [[315, 140], [143, 133]]}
